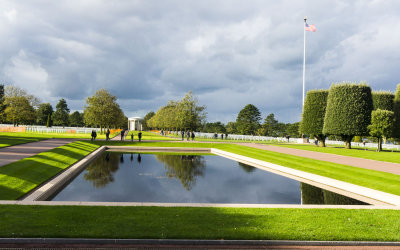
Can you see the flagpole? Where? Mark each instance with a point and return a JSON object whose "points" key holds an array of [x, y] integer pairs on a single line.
{"points": [[304, 59]]}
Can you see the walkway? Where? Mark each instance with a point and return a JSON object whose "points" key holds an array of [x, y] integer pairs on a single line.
{"points": [[388, 167], [18, 152]]}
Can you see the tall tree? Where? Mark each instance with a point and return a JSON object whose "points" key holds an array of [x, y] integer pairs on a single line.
{"points": [[382, 122], [61, 115], [20, 106], [248, 120], [76, 119], [43, 112], [270, 126], [348, 111], [19, 110], [146, 118], [313, 115], [189, 114], [103, 110], [231, 127], [293, 129]]}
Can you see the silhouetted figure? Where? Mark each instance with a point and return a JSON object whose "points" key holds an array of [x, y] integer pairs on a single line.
{"points": [[193, 136], [140, 136], [215, 136], [108, 134], [183, 135], [122, 134], [222, 136], [139, 158], [226, 136], [132, 137], [187, 135], [93, 135]]}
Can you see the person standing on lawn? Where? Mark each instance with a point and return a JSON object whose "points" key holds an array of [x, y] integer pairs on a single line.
{"points": [[140, 136]]}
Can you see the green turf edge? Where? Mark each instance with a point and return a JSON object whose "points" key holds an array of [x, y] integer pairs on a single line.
{"points": [[18, 178], [385, 155], [6, 141], [199, 223]]}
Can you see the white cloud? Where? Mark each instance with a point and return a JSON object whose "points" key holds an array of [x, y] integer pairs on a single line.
{"points": [[11, 15], [27, 72]]}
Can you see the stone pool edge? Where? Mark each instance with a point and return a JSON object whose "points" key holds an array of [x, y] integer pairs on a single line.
{"points": [[385, 200]]}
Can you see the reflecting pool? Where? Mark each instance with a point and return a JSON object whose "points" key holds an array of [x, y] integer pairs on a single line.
{"points": [[164, 177]]}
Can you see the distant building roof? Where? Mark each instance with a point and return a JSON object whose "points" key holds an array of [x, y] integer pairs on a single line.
{"points": [[135, 118]]}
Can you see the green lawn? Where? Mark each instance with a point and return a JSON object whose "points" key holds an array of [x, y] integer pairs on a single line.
{"points": [[18, 178], [7, 140], [198, 223], [372, 154]]}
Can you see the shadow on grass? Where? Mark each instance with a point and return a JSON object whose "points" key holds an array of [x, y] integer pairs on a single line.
{"points": [[7, 193]]}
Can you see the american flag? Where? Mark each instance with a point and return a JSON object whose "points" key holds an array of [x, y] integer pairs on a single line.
{"points": [[311, 27]]}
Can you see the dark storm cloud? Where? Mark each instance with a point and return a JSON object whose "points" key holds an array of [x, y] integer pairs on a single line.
{"points": [[229, 53]]}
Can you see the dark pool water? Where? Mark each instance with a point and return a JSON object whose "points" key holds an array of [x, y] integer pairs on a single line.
{"points": [[134, 177]]}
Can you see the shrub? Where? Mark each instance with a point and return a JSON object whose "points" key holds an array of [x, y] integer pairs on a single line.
{"points": [[383, 100], [348, 111], [313, 114]]}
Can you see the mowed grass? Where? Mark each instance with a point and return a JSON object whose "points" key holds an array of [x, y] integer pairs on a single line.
{"points": [[18, 178], [199, 223], [382, 181], [7, 140], [371, 154]]}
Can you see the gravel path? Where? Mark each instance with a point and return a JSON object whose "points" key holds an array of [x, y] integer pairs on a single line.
{"points": [[18, 152], [388, 167]]}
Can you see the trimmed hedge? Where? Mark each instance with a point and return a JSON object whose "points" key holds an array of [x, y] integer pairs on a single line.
{"points": [[396, 110], [314, 113], [348, 111], [383, 100]]}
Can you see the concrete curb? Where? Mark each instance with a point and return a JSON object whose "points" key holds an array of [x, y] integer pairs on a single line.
{"points": [[368, 195], [358, 192], [154, 204], [77, 241]]}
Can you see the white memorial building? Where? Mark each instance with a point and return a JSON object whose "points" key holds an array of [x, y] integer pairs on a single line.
{"points": [[135, 123]]}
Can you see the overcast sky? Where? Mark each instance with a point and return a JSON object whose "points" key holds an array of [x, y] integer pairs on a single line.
{"points": [[229, 53]]}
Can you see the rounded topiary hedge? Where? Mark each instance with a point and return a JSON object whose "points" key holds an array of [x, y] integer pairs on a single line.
{"points": [[383, 100], [314, 109], [396, 110], [348, 111]]}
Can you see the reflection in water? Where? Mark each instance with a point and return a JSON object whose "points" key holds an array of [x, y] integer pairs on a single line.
{"points": [[246, 168], [314, 195], [121, 159], [101, 173], [139, 158], [184, 167], [131, 157]]}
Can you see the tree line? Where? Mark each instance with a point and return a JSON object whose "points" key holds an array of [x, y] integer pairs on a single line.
{"points": [[347, 110], [18, 107], [187, 114]]}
